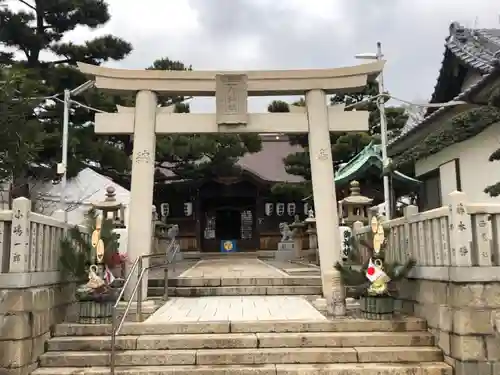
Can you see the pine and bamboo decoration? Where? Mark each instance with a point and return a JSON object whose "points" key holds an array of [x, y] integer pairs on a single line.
{"points": [[375, 277], [77, 248]]}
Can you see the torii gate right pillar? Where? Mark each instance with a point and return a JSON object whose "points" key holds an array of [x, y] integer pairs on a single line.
{"points": [[325, 201]]}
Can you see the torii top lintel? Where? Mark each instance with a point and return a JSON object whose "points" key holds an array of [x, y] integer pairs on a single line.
{"points": [[260, 82]]}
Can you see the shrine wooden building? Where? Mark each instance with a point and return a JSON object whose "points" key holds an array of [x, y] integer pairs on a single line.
{"points": [[243, 208], [238, 208]]}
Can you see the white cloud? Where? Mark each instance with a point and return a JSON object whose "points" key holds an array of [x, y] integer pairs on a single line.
{"points": [[283, 34]]}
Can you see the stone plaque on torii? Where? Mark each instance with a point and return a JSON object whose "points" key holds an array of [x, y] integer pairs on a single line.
{"points": [[231, 89], [231, 99]]}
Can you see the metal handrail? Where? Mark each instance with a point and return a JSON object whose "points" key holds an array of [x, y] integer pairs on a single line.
{"points": [[141, 271]]}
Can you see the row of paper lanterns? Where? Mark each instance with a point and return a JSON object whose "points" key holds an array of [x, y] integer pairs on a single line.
{"points": [[291, 209], [165, 209]]}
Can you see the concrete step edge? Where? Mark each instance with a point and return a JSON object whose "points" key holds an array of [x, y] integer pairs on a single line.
{"points": [[431, 368], [277, 326], [309, 280], [242, 290], [245, 356], [243, 340]]}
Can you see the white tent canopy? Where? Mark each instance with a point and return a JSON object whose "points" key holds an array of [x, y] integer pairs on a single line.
{"points": [[81, 191]]}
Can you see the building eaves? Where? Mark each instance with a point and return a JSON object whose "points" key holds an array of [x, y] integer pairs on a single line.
{"points": [[463, 96], [479, 49]]}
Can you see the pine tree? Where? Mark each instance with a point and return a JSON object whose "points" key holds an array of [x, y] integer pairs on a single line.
{"points": [[494, 101], [37, 28], [21, 134], [345, 145]]}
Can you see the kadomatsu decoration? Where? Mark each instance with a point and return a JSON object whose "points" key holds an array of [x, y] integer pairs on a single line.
{"points": [[374, 283], [95, 259]]}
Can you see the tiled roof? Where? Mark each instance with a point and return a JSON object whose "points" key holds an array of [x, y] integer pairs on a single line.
{"points": [[267, 163], [370, 156], [478, 49]]}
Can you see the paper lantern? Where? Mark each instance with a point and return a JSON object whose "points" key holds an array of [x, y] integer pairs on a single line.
{"points": [[188, 208], [280, 209], [164, 209], [269, 208]]}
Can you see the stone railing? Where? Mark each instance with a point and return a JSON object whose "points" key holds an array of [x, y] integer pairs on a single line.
{"points": [[30, 246], [32, 295], [461, 234], [455, 285]]}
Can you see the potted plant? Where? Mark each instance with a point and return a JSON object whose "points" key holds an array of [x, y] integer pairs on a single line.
{"points": [[79, 260], [374, 282]]}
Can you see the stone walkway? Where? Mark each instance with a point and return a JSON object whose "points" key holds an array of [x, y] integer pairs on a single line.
{"points": [[235, 308], [232, 268]]}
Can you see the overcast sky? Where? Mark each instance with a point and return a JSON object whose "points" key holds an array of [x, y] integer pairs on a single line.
{"points": [[283, 34]]}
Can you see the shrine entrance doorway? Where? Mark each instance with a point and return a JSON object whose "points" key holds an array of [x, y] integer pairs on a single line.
{"points": [[229, 219]]}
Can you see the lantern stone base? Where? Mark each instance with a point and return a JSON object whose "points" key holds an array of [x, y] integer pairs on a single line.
{"points": [[286, 251]]}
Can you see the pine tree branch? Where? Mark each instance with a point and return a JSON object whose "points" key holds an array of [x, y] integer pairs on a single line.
{"points": [[27, 4], [62, 61]]}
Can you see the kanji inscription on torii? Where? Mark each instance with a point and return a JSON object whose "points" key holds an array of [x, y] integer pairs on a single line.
{"points": [[231, 94]]}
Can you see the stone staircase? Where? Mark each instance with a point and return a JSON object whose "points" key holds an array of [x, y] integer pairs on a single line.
{"points": [[338, 347], [200, 287]]}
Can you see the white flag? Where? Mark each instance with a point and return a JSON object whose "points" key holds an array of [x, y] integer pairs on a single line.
{"points": [[373, 272]]}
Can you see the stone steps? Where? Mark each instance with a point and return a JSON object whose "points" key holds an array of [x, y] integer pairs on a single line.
{"points": [[242, 340], [321, 347], [200, 287], [347, 324], [245, 356], [430, 368], [242, 281], [237, 291]]}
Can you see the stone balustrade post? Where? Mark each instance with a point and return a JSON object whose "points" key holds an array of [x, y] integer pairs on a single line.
{"points": [[460, 225], [410, 248], [20, 236]]}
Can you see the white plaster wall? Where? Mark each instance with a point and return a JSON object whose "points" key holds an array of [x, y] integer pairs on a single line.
{"points": [[475, 169], [448, 180]]}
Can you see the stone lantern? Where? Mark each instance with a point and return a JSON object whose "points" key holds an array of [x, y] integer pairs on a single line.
{"points": [[111, 206], [297, 228], [351, 209], [310, 222], [354, 207]]}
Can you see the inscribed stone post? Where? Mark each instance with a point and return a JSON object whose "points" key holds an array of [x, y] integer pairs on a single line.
{"points": [[231, 99], [410, 247], [484, 239], [20, 236], [460, 230]]}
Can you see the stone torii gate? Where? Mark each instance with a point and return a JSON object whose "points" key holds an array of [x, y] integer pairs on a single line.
{"points": [[232, 90]]}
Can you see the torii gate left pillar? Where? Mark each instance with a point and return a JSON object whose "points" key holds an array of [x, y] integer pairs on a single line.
{"points": [[140, 230], [318, 120]]}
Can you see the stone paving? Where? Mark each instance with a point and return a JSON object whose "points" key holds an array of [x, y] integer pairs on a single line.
{"points": [[235, 308], [232, 268]]}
